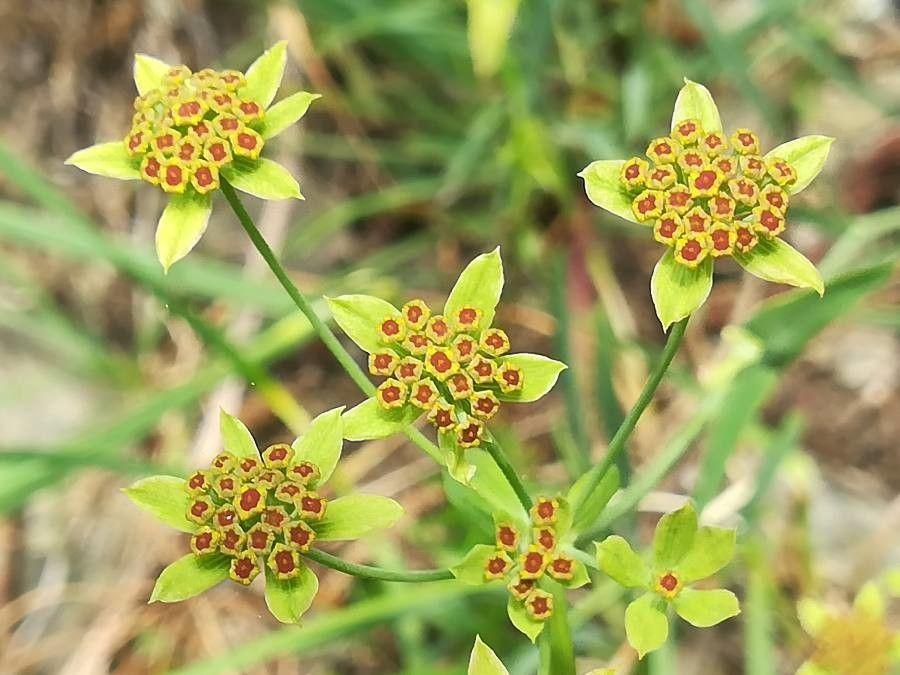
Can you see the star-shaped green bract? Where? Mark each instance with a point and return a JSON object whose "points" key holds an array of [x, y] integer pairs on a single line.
{"points": [[683, 553], [191, 130], [682, 279], [312, 458]]}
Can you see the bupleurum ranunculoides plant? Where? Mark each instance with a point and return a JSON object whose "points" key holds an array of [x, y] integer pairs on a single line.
{"points": [[191, 130], [253, 512], [706, 195], [532, 556], [683, 553], [853, 641], [453, 367]]}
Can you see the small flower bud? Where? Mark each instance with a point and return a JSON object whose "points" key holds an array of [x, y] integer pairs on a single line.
{"points": [[205, 541], [304, 472], [562, 568], [692, 248], [278, 456], [174, 176], [438, 330], [198, 482], [482, 370], [233, 540], [467, 320], [662, 176], [232, 80], [442, 416], [217, 151], [744, 191], [745, 142], [289, 492], [705, 182], [678, 199], [509, 378], [226, 124], [648, 205], [244, 568], [423, 394], [668, 585], [416, 314], [226, 486], [545, 511], [269, 478], [464, 348], [539, 604], [781, 172], [469, 435], [391, 394], [745, 238], [247, 143], [507, 537], [460, 386], [225, 516], [773, 195], [634, 173], [721, 206], [722, 237], [544, 537], [497, 566], [416, 344], [727, 166], [223, 462], [284, 562], [696, 220], [260, 539], [668, 228], [176, 75], [250, 500], [205, 177], [299, 535], [200, 509], [663, 150], [494, 342], [391, 329], [688, 132], [312, 506], [753, 167], [484, 404], [440, 363], [520, 588], [274, 518], [768, 220], [409, 370], [714, 143], [248, 467], [533, 562], [689, 160]]}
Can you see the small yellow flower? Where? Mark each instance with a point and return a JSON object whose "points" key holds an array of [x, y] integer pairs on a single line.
{"points": [[714, 143], [663, 150], [775, 196], [721, 206], [416, 344], [484, 404], [409, 369], [438, 330], [688, 132], [460, 385], [745, 237], [392, 329], [423, 394], [634, 173], [465, 347], [533, 562], [470, 433], [705, 182], [442, 416], [391, 394], [482, 370], [727, 166], [205, 177], [692, 248], [668, 585], [509, 378], [753, 167], [668, 228], [744, 191], [440, 363], [648, 205], [691, 159], [745, 142], [662, 176], [723, 238], [247, 143], [696, 220], [284, 562], [497, 566], [416, 314], [244, 568], [467, 320], [781, 172], [507, 537], [768, 220], [383, 363], [678, 199], [494, 342]]}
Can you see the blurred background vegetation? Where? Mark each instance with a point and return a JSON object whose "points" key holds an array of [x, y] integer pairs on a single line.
{"points": [[781, 415]]}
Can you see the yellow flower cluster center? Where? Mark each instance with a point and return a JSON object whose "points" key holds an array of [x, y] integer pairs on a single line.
{"points": [[256, 509], [449, 367], [525, 560], [193, 125], [853, 644], [707, 195]]}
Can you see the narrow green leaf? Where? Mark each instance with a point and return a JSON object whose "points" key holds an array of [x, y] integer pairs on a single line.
{"points": [[646, 624], [539, 374], [522, 620], [603, 188], [618, 561], [369, 420], [706, 608], [484, 661], [189, 576], [777, 261], [713, 548], [359, 317], [470, 570], [322, 442], [165, 498], [807, 155], [264, 75], [674, 536], [288, 599], [677, 290], [106, 159], [695, 102], [285, 113], [594, 504], [479, 286], [181, 225], [262, 178], [148, 72], [236, 438], [490, 24], [354, 516]]}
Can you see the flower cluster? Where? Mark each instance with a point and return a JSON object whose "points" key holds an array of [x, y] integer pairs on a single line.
{"points": [[708, 195], [523, 561], [449, 367], [190, 126], [256, 510]]}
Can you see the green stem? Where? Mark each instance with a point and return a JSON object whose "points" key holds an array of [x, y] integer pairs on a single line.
{"points": [[502, 461], [370, 572], [322, 330], [617, 444], [557, 652]]}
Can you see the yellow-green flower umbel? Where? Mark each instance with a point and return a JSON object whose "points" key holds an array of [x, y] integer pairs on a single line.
{"points": [[192, 130], [254, 512], [452, 367], [705, 196], [682, 554]]}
